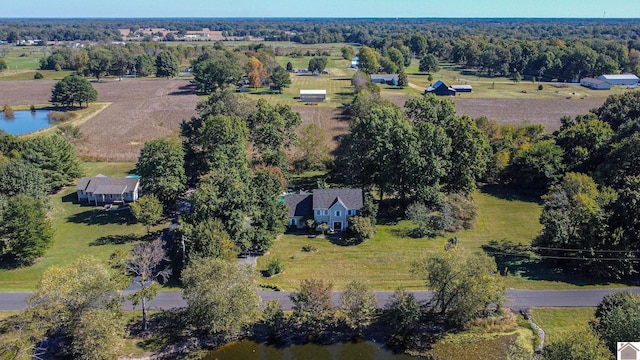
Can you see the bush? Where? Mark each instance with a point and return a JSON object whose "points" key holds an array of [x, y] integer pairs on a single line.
{"points": [[8, 112], [275, 267], [540, 87], [360, 229], [32, 108], [38, 75], [59, 116], [309, 248]]}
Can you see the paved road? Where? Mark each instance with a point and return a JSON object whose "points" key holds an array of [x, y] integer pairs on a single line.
{"points": [[516, 299]]}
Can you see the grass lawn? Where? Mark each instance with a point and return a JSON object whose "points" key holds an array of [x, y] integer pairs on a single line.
{"points": [[79, 230], [556, 321], [384, 261]]}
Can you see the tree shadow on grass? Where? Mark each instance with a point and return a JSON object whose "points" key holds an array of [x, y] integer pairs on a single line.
{"points": [[509, 193], [521, 265], [98, 216], [116, 239]]}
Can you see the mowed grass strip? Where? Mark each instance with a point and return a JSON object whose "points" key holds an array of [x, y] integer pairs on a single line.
{"points": [[79, 230], [384, 262], [559, 321]]}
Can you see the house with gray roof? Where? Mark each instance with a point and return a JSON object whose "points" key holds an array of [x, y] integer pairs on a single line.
{"points": [[388, 79], [330, 206], [108, 190], [620, 79]]}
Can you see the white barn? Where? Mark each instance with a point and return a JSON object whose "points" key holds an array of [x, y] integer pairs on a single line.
{"points": [[313, 95], [620, 79]]}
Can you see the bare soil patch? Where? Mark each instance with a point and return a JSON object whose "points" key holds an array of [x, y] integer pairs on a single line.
{"points": [[140, 110], [547, 112], [330, 119]]}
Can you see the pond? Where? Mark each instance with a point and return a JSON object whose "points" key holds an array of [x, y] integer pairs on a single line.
{"points": [[25, 122], [249, 350]]}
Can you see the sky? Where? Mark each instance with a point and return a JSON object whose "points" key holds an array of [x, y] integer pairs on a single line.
{"points": [[321, 8]]}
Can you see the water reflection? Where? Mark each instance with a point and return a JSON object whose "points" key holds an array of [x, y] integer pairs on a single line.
{"points": [[25, 122]]}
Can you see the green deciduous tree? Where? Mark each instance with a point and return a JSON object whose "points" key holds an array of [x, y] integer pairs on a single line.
{"points": [[396, 56], [280, 78], [73, 89], [360, 229], [313, 312], [144, 65], [148, 211], [368, 60], [464, 285], [269, 215], [205, 239], [81, 300], [583, 141], [215, 69], [347, 52], [317, 63], [429, 64], [358, 303], [577, 345], [161, 169], [222, 296], [99, 61], [272, 130], [402, 315], [20, 177], [313, 151], [3, 64], [25, 232], [167, 65], [618, 319], [536, 166]]}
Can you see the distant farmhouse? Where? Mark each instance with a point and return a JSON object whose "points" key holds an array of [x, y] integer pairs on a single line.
{"points": [[330, 206], [388, 79], [354, 62], [313, 95], [440, 89], [108, 190], [595, 84]]}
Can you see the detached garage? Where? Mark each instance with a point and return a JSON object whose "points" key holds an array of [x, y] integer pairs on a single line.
{"points": [[595, 84], [313, 95]]}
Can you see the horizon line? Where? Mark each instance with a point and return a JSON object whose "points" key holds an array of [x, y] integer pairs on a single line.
{"points": [[309, 17]]}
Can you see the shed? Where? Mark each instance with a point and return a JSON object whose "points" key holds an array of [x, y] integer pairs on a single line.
{"points": [[440, 89], [462, 88], [595, 84], [389, 79], [620, 79], [354, 62], [313, 95]]}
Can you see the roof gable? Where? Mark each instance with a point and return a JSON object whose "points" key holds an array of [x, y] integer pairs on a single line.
{"points": [[299, 204], [108, 185], [325, 198]]}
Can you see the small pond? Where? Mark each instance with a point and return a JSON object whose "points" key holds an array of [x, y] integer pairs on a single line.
{"points": [[250, 350], [25, 122]]}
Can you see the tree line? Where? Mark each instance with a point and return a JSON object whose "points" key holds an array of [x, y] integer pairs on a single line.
{"points": [[30, 170], [587, 175]]}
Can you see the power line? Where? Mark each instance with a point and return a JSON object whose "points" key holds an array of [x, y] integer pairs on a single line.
{"points": [[563, 257]]}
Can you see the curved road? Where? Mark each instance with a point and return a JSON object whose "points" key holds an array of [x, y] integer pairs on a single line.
{"points": [[516, 299]]}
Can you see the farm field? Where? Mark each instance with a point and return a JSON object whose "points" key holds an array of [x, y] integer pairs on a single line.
{"points": [[79, 230]]}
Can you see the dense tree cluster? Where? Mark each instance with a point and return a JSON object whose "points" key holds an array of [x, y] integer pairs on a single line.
{"points": [[587, 171], [71, 90], [30, 169]]}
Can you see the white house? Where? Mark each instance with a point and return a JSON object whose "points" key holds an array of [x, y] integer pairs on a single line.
{"points": [[620, 79], [330, 206], [107, 190], [595, 84]]}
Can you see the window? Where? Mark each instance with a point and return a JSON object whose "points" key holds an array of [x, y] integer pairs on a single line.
{"points": [[322, 212], [353, 212], [338, 213]]}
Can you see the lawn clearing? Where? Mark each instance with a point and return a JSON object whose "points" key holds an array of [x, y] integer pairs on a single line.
{"points": [[558, 321], [79, 230], [384, 261]]}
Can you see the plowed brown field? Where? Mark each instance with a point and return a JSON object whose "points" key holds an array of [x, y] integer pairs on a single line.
{"points": [[148, 109]]}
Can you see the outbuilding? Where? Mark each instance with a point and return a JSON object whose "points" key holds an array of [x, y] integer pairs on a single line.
{"points": [[313, 95], [620, 79], [462, 88], [440, 89], [595, 84], [388, 79]]}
